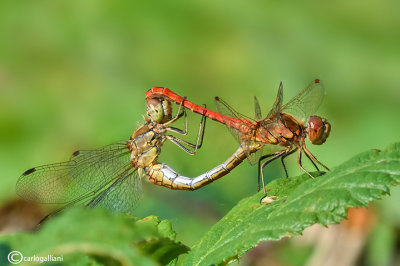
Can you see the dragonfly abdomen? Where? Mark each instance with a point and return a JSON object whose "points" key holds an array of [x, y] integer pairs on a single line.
{"points": [[232, 122], [163, 175]]}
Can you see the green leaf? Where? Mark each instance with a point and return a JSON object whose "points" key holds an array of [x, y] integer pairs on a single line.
{"points": [[95, 237], [302, 202]]}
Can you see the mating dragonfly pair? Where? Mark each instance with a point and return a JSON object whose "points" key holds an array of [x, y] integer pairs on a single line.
{"points": [[110, 177]]}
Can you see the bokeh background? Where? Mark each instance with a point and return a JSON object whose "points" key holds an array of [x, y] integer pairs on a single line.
{"points": [[73, 75]]}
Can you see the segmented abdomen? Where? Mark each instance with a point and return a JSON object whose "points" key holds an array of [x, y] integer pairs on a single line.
{"points": [[163, 175]]}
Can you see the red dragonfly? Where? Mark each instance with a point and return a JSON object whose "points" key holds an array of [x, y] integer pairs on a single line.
{"points": [[284, 127]]}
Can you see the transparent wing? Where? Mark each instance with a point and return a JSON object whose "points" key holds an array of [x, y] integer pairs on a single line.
{"points": [[86, 173], [252, 157], [257, 109], [276, 108], [123, 195], [306, 103], [229, 111], [89, 168], [272, 116], [224, 109]]}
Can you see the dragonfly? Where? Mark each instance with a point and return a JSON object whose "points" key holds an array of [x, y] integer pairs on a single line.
{"points": [[279, 134], [110, 177]]}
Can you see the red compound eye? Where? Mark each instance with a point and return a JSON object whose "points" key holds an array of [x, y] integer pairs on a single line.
{"points": [[318, 129]]}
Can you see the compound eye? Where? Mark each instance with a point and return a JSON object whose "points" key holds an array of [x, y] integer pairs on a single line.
{"points": [[318, 130], [155, 110]]}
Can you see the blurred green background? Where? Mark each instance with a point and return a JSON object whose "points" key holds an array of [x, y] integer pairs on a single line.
{"points": [[73, 75]]}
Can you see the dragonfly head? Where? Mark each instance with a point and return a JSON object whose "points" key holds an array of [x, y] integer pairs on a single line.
{"points": [[159, 110], [318, 130]]}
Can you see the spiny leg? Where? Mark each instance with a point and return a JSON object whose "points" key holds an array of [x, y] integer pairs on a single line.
{"points": [[308, 153], [177, 130], [283, 163], [299, 163], [179, 142], [259, 169], [277, 155], [308, 156], [177, 116], [202, 128], [184, 132], [200, 136]]}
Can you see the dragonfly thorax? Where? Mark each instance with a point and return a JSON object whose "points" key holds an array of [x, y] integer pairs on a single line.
{"points": [[318, 129], [145, 146], [263, 135], [280, 130]]}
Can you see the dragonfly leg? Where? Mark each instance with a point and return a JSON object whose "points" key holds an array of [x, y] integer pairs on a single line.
{"points": [[180, 143], [200, 134], [274, 156], [313, 159], [177, 116], [202, 128], [259, 169], [300, 165], [177, 130], [283, 163]]}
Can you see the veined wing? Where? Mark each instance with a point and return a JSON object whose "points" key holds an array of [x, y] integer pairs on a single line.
{"points": [[306, 103], [82, 177], [257, 109], [92, 167], [277, 107], [123, 195], [225, 109], [272, 116]]}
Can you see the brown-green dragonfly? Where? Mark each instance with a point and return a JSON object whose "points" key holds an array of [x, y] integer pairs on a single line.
{"points": [[109, 177]]}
